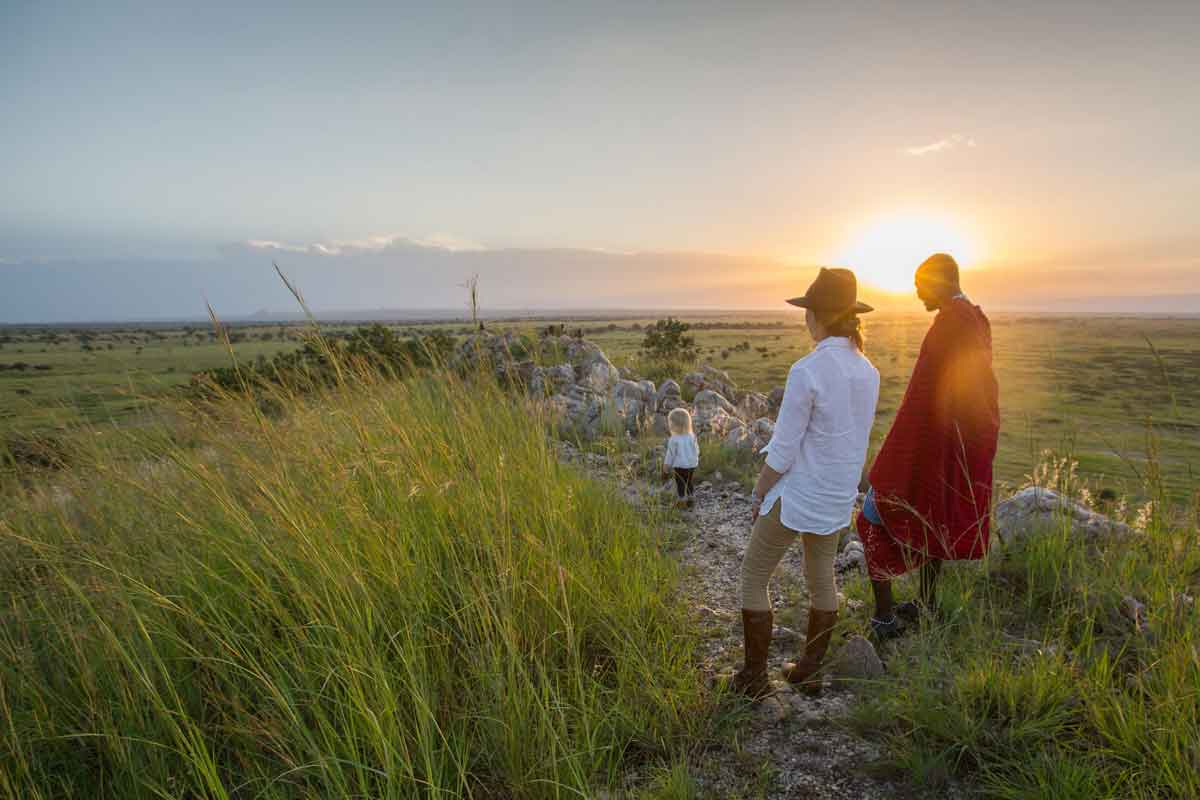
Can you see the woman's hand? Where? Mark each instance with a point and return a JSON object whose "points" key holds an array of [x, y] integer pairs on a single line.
{"points": [[755, 507]]}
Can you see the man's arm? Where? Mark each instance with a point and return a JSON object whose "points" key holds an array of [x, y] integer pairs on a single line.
{"points": [[864, 482]]}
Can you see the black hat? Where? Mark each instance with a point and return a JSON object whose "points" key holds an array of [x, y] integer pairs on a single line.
{"points": [[834, 290]]}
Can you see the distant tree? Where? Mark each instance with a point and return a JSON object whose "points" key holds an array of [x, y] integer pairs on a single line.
{"points": [[472, 287], [666, 340]]}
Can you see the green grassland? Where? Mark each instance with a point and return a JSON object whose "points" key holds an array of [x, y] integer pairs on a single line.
{"points": [[1115, 392], [392, 588]]}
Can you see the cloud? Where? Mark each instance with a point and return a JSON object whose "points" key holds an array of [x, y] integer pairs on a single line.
{"points": [[946, 143], [372, 244]]}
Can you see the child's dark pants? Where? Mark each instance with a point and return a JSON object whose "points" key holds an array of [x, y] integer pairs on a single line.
{"points": [[683, 481]]}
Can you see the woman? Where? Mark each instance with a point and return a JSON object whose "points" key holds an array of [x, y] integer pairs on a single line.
{"points": [[809, 483]]}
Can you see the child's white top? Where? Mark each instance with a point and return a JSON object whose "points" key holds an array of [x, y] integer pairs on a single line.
{"points": [[682, 451]]}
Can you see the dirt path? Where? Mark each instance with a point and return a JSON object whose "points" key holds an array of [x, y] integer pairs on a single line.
{"points": [[792, 746]]}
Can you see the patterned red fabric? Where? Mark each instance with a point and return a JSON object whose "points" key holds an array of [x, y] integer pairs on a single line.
{"points": [[933, 475]]}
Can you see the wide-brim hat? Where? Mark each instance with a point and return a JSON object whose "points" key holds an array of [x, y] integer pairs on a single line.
{"points": [[834, 291]]}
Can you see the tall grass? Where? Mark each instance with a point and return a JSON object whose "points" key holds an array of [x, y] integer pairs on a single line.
{"points": [[389, 590], [1041, 682]]}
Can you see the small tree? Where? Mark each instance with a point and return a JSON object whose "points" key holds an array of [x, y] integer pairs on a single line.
{"points": [[472, 287], [666, 341]]}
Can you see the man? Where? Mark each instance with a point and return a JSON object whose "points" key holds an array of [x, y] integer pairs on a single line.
{"points": [[930, 489]]}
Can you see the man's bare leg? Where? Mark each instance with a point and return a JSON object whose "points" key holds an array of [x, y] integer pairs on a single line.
{"points": [[884, 602], [883, 623]]}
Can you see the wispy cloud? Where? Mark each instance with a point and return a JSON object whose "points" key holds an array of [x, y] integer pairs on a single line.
{"points": [[946, 143], [371, 244]]}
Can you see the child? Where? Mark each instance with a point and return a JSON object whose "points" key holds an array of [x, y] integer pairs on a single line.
{"points": [[683, 453]]}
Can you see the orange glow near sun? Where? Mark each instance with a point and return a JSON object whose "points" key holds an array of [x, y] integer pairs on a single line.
{"points": [[885, 252]]}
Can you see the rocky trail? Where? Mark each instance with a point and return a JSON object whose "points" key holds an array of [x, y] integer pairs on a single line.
{"points": [[789, 745]]}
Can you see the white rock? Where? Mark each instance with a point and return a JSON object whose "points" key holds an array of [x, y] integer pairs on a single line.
{"points": [[1037, 508], [738, 438], [598, 373], [667, 397], [856, 662], [753, 405], [708, 401]]}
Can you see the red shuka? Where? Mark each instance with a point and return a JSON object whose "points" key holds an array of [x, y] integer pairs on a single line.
{"points": [[933, 475]]}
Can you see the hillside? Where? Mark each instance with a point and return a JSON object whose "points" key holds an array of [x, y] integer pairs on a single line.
{"points": [[402, 588]]}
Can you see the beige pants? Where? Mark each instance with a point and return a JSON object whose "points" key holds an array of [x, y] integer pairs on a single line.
{"points": [[768, 542]]}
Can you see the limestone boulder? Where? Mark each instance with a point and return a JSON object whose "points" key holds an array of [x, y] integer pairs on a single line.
{"points": [[570, 348], [1036, 509], [739, 438], [712, 379], [753, 405], [630, 402], [554, 380], [494, 351], [708, 402], [597, 373], [720, 425], [856, 663], [713, 414], [762, 429], [581, 409], [668, 397], [852, 558]]}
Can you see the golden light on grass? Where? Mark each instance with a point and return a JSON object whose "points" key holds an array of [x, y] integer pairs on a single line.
{"points": [[885, 252]]}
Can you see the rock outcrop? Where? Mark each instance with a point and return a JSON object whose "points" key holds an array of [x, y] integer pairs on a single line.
{"points": [[710, 378], [592, 396]]}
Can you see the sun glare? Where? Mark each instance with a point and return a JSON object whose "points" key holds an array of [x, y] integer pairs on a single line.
{"points": [[885, 253]]}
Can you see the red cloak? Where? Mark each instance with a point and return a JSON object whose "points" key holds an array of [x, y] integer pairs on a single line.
{"points": [[933, 475]]}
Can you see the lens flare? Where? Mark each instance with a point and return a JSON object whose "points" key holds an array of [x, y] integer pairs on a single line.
{"points": [[885, 253]]}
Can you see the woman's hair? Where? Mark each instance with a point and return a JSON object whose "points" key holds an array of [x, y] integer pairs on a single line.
{"points": [[848, 325], [679, 421]]}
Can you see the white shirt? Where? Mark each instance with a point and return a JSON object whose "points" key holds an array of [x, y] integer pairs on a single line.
{"points": [[821, 437], [682, 451]]}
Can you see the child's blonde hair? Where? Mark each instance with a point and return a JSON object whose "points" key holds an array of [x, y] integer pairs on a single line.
{"points": [[679, 421]]}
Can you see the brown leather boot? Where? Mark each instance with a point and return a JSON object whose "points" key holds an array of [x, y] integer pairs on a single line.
{"points": [[752, 679], [806, 672]]}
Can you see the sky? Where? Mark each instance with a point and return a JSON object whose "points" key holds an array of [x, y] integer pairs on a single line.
{"points": [[582, 155]]}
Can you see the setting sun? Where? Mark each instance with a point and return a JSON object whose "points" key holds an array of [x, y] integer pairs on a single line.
{"points": [[885, 253]]}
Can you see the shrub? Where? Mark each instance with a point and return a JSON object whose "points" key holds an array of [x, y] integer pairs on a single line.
{"points": [[666, 341]]}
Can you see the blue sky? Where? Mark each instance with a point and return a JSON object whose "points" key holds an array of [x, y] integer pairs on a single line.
{"points": [[774, 133]]}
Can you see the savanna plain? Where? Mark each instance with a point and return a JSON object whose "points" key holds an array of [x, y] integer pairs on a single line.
{"points": [[386, 583]]}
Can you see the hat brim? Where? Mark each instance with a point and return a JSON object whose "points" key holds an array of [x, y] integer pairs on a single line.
{"points": [[804, 302]]}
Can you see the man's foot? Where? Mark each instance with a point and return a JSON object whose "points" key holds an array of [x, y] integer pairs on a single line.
{"points": [[884, 630]]}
